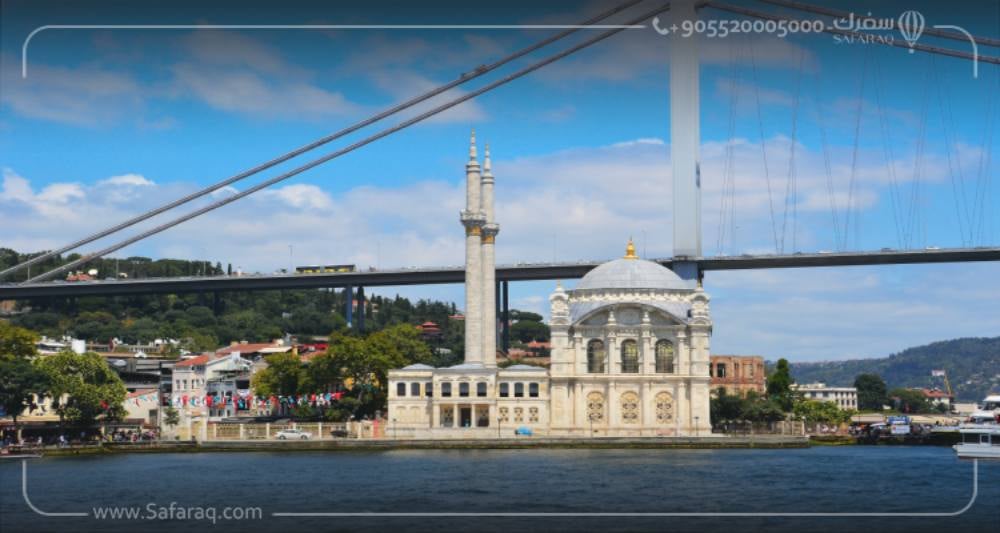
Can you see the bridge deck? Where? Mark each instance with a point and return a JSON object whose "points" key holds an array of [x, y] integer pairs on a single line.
{"points": [[443, 275]]}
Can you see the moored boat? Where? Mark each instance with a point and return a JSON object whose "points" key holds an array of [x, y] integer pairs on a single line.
{"points": [[979, 441]]}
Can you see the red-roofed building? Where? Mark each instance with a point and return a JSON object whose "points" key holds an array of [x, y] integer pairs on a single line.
{"points": [[938, 397], [430, 330]]}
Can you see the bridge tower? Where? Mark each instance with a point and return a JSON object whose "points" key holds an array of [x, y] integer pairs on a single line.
{"points": [[685, 138]]}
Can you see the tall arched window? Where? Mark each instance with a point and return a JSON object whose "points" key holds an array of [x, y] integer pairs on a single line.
{"points": [[630, 357], [664, 357], [595, 356]]}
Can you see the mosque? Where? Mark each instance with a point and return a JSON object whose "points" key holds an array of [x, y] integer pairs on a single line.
{"points": [[629, 358]]}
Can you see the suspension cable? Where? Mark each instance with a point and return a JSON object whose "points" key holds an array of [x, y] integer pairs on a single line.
{"points": [[890, 158], [763, 143], [384, 133], [465, 77]]}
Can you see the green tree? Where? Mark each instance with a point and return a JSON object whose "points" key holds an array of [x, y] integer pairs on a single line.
{"points": [[283, 376], [871, 392], [19, 381], [529, 330], [725, 407], [910, 401], [171, 417], [322, 373], [16, 343], [779, 385], [820, 412], [518, 315], [762, 409], [83, 387], [403, 343]]}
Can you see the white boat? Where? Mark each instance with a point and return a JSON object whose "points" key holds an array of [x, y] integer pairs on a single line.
{"points": [[981, 434], [979, 441]]}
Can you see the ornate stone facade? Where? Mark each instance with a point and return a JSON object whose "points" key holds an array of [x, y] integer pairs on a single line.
{"points": [[634, 338]]}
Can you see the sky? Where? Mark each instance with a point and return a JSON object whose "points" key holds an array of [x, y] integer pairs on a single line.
{"points": [[809, 143]]}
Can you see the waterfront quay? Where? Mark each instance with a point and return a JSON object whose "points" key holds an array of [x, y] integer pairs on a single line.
{"points": [[717, 442]]}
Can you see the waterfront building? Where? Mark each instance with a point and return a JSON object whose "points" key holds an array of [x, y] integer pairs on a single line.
{"points": [[209, 386], [143, 406], [629, 352], [844, 397], [938, 397], [738, 374]]}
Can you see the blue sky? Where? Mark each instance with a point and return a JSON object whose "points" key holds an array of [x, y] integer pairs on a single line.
{"points": [[110, 122]]}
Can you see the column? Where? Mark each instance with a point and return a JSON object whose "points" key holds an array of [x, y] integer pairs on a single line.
{"points": [[361, 309], [506, 316], [349, 306]]}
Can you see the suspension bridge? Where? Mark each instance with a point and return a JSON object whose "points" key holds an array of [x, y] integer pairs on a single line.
{"points": [[971, 207]]}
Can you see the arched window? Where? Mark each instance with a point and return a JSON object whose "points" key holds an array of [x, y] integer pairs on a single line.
{"points": [[595, 356], [630, 357], [630, 408], [595, 407], [446, 389], [504, 390], [415, 388], [519, 390], [664, 357], [481, 389], [533, 390], [463, 390], [401, 389], [664, 408]]}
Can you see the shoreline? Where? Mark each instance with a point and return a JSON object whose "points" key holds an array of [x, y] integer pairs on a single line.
{"points": [[713, 443]]}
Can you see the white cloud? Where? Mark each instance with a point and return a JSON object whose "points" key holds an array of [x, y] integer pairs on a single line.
{"points": [[128, 180], [301, 196]]}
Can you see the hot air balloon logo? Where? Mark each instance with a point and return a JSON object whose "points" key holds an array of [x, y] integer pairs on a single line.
{"points": [[911, 25]]}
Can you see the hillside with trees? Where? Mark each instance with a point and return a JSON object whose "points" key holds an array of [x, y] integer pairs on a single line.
{"points": [[972, 365], [203, 322]]}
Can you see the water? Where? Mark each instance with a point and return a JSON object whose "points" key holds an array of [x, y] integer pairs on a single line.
{"points": [[821, 479]]}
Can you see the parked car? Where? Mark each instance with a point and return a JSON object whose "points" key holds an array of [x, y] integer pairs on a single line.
{"points": [[286, 434], [338, 433]]}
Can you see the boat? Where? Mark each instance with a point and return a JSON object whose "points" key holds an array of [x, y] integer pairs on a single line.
{"points": [[979, 441], [981, 433]]}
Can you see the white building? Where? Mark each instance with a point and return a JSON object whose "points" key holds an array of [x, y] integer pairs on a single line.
{"points": [[844, 397], [630, 353]]}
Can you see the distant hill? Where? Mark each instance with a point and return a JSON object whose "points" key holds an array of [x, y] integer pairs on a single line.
{"points": [[972, 364]]}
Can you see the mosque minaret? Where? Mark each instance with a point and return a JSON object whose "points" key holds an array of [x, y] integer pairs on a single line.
{"points": [[473, 219], [489, 233], [629, 357]]}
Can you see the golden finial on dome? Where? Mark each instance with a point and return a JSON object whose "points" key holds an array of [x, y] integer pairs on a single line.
{"points": [[630, 250]]}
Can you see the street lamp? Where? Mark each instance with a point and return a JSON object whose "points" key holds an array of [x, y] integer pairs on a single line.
{"points": [[592, 417], [394, 429], [696, 427], [499, 420]]}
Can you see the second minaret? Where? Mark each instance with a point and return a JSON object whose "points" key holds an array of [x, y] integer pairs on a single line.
{"points": [[489, 232]]}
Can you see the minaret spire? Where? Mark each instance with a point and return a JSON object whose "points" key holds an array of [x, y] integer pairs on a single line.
{"points": [[472, 218], [490, 230]]}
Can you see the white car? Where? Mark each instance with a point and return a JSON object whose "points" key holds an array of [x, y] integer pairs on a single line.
{"points": [[286, 434]]}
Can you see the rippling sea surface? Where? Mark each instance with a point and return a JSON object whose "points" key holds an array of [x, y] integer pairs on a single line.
{"points": [[822, 479]]}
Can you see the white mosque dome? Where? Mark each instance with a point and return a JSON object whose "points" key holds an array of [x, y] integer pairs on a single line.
{"points": [[631, 272]]}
